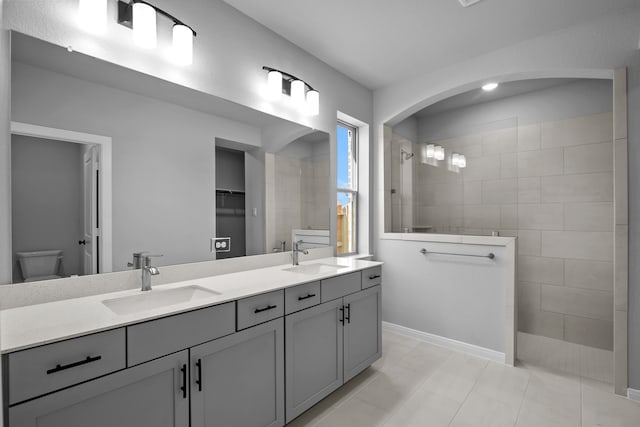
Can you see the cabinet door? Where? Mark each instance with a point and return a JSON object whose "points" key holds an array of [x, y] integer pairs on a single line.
{"points": [[150, 394], [362, 330], [238, 380], [313, 350]]}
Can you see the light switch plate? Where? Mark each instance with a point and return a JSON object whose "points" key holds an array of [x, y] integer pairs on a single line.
{"points": [[221, 244]]}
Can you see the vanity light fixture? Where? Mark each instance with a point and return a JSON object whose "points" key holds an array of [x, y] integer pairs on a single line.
{"points": [[459, 160], [141, 17], [488, 87], [430, 151], [92, 15], [439, 153], [305, 98]]}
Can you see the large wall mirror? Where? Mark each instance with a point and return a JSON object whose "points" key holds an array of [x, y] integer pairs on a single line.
{"points": [[192, 175]]}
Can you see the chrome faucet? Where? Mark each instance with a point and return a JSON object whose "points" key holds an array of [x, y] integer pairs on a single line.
{"points": [[296, 250], [137, 260], [148, 271]]}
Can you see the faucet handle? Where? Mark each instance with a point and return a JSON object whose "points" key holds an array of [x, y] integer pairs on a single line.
{"points": [[137, 258], [146, 259]]}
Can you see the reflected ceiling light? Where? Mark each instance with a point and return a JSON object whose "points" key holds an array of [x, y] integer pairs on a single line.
{"points": [[439, 153], [92, 15], [305, 98], [430, 151], [144, 25], [458, 160], [142, 18], [488, 87]]}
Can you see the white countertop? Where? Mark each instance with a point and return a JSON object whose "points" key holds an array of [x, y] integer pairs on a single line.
{"points": [[39, 324]]}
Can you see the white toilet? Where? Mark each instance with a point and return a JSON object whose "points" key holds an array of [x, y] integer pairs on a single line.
{"points": [[40, 265]]}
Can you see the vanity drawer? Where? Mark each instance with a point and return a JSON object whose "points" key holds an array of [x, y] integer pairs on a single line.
{"points": [[339, 286], [260, 308], [371, 277], [300, 297], [41, 370], [156, 338]]}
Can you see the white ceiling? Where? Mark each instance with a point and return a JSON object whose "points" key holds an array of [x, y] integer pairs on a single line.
{"points": [[379, 42]]}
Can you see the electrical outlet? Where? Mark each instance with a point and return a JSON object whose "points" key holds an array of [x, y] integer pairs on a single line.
{"points": [[221, 244]]}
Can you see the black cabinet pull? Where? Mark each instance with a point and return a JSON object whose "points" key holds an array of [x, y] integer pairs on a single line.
{"points": [[377, 276], [306, 297], [348, 315], [342, 315], [184, 381], [82, 242], [269, 307], [60, 367], [199, 380]]}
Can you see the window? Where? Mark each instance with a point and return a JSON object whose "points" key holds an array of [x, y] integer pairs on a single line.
{"points": [[347, 187]]}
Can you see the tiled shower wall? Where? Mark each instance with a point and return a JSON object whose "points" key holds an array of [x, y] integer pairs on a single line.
{"points": [[302, 198], [550, 184]]}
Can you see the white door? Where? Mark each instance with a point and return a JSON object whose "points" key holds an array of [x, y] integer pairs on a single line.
{"points": [[91, 237]]}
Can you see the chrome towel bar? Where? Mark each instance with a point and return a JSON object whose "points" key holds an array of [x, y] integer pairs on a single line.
{"points": [[490, 255]]}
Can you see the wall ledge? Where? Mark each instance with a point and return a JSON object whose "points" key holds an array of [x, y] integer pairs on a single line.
{"points": [[633, 394], [450, 238]]}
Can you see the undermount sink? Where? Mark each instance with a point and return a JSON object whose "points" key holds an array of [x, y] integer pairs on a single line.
{"points": [[155, 299], [315, 268]]}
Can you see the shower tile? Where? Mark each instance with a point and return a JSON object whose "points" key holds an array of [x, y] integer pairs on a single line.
{"points": [[541, 270], [542, 323], [500, 191], [482, 216], [528, 296], [529, 242], [540, 163], [509, 216], [595, 275], [541, 217], [500, 141], [588, 158], [529, 137], [482, 168], [578, 302], [529, 190], [472, 192], [594, 187], [578, 131], [588, 216], [597, 246], [590, 332], [508, 165]]}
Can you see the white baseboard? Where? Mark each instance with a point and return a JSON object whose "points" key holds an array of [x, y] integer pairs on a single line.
{"points": [[633, 394], [449, 343]]}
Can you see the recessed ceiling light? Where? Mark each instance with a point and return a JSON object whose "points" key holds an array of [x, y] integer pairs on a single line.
{"points": [[467, 3], [488, 87]]}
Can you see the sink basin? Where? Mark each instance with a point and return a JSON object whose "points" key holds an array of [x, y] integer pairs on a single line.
{"points": [[315, 268], [156, 299]]}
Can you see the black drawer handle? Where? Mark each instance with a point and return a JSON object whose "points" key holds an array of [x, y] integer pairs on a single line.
{"points": [[199, 380], [306, 297], [269, 307], [342, 315], [60, 367], [377, 276], [348, 315], [184, 381]]}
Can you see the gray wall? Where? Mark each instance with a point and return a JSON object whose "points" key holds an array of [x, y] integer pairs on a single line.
{"points": [[634, 221], [46, 199], [163, 159], [581, 98], [229, 169]]}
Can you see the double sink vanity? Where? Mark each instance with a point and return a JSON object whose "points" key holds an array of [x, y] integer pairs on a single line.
{"points": [[251, 348]]}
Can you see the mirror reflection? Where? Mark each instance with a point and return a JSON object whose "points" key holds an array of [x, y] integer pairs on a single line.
{"points": [[192, 177]]}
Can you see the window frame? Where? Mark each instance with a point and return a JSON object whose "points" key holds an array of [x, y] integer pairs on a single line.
{"points": [[354, 191]]}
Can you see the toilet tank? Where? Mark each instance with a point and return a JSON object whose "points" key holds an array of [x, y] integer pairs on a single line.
{"points": [[39, 263]]}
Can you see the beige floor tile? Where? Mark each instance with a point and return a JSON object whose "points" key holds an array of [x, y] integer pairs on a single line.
{"points": [[353, 413], [390, 387], [600, 407], [479, 410], [503, 383], [425, 358], [424, 408]]}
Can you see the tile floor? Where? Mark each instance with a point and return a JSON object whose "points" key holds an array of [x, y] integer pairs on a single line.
{"points": [[418, 384]]}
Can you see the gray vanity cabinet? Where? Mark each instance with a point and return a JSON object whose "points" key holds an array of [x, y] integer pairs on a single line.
{"points": [[150, 394], [313, 351], [362, 330], [328, 345], [238, 380]]}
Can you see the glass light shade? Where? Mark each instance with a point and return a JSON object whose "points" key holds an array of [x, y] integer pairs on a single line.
{"points": [[313, 103], [182, 45], [297, 93], [439, 153], [274, 85], [92, 15], [455, 159], [462, 161], [144, 25], [431, 151]]}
